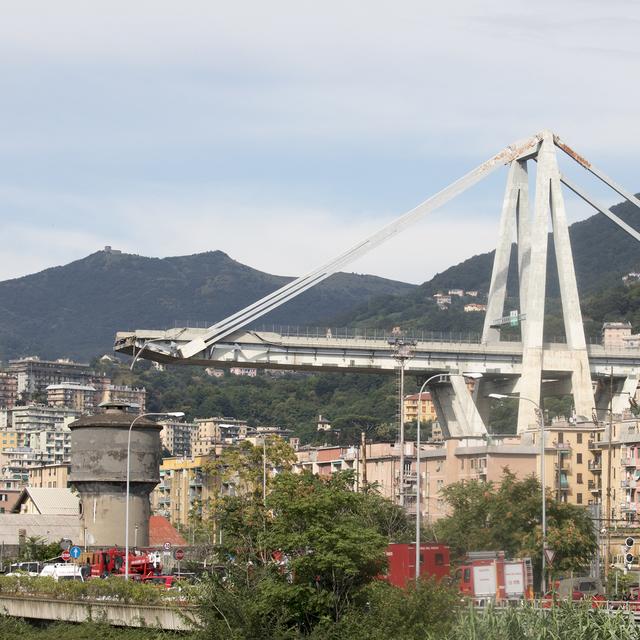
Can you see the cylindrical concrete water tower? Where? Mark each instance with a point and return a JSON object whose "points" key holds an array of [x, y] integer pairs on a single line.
{"points": [[99, 473]]}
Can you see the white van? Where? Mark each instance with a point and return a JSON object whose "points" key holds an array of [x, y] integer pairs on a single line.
{"points": [[62, 571]]}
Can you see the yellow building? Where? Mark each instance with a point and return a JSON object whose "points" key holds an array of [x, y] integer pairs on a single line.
{"points": [[183, 491], [8, 440], [425, 405], [50, 476]]}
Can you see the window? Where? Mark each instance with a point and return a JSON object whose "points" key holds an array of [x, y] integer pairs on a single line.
{"points": [[462, 463], [579, 438], [560, 437], [579, 458], [579, 478], [439, 559], [579, 498]]}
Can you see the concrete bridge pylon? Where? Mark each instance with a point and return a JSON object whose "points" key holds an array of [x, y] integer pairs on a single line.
{"points": [[529, 368]]}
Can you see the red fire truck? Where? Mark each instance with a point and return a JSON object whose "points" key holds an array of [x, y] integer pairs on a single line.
{"points": [[487, 575], [112, 562], [401, 562]]}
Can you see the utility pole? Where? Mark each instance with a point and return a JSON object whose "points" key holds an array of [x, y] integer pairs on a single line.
{"points": [[363, 441], [403, 350], [608, 514]]}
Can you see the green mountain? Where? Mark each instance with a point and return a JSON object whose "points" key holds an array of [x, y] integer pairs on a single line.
{"points": [[602, 254], [75, 310]]}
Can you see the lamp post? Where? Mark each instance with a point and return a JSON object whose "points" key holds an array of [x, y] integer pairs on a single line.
{"points": [[473, 376], [538, 410], [173, 414]]}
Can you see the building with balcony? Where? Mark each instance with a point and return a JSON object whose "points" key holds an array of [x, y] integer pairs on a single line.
{"points": [[210, 432], [8, 389], [176, 437], [80, 397], [34, 375]]}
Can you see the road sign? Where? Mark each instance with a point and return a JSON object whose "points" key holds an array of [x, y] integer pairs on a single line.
{"points": [[65, 555], [549, 554], [167, 546], [75, 552], [178, 554]]}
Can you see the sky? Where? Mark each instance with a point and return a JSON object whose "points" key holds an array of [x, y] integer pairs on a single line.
{"points": [[284, 132]]}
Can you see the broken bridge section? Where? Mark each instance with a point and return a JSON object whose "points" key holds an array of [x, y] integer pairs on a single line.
{"points": [[529, 367]]}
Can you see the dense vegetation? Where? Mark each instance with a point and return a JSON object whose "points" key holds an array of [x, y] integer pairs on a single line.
{"points": [[75, 310], [350, 401], [506, 517]]}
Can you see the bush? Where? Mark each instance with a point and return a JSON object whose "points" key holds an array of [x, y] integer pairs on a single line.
{"points": [[114, 588]]}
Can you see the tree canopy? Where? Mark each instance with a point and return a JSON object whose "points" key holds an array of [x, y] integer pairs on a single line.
{"points": [[507, 517]]}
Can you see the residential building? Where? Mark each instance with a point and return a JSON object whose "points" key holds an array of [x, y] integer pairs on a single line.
{"points": [[423, 405], [107, 392], [243, 371], [614, 333], [456, 292], [47, 501], [15, 464], [8, 389], [8, 499], [176, 437], [50, 476], [210, 432], [472, 294], [441, 465], [35, 375], [8, 439], [474, 306], [41, 417], [80, 397]]}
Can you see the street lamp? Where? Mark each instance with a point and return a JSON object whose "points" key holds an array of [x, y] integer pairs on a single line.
{"points": [[172, 414], [472, 376], [538, 410]]}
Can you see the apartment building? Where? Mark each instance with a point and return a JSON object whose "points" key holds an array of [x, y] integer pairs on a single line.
{"points": [[80, 397], [185, 489], [210, 432], [50, 476], [34, 375], [176, 437], [8, 439], [423, 405], [107, 392], [8, 389]]}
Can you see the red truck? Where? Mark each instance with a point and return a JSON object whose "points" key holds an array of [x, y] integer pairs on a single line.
{"points": [[488, 575], [112, 562], [401, 562]]}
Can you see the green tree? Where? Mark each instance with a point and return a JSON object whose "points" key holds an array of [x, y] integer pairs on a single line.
{"points": [[303, 557], [506, 517]]}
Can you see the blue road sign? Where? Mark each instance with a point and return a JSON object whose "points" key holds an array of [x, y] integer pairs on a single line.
{"points": [[75, 552]]}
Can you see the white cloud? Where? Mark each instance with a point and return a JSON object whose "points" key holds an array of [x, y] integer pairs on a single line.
{"points": [[253, 108]]}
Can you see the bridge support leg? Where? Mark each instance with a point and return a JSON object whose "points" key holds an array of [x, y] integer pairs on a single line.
{"points": [[549, 201], [457, 412], [515, 211]]}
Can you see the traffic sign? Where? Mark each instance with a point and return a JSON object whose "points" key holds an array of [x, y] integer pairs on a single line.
{"points": [[65, 555], [549, 554], [75, 552], [167, 546], [178, 554]]}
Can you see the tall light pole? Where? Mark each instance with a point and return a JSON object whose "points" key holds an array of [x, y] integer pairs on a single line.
{"points": [[403, 350], [441, 376], [539, 415], [173, 414]]}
